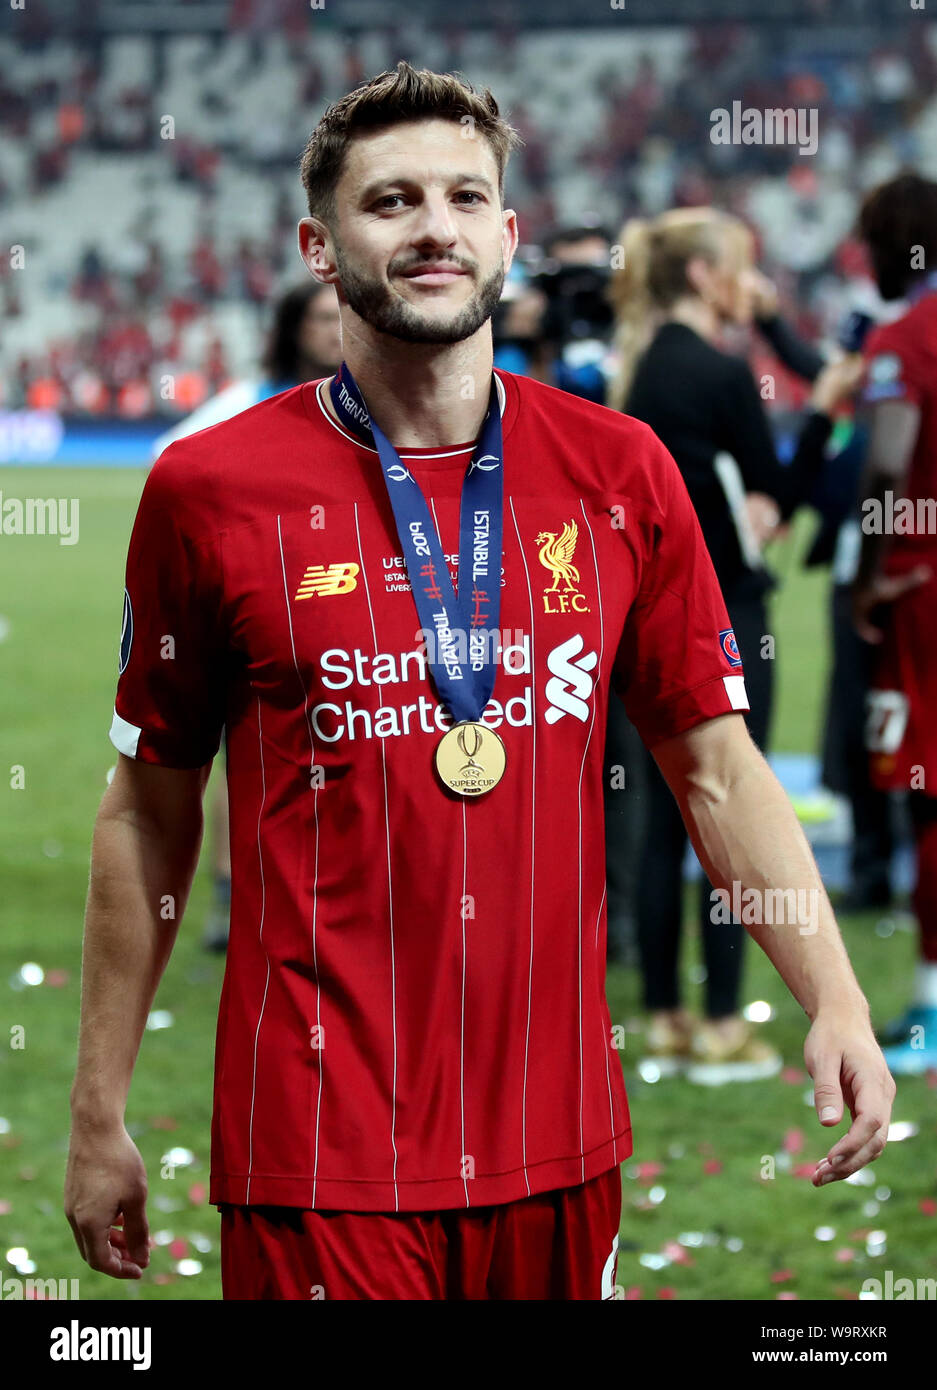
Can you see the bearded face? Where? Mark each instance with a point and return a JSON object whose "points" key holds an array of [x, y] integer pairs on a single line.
{"points": [[376, 299]]}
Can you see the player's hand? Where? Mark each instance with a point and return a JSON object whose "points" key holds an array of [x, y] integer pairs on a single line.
{"points": [[105, 1202], [882, 588], [847, 1065]]}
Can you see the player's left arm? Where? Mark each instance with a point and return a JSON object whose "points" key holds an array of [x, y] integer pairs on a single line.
{"points": [[746, 833], [893, 432]]}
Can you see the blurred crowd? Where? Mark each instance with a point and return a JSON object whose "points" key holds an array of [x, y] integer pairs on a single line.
{"points": [[615, 137]]}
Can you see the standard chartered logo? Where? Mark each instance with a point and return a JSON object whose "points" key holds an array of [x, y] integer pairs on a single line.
{"points": [[568, 691], [333, 721], [570, 685]]}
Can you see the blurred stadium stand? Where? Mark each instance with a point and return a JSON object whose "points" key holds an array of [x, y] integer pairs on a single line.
{"points": [[149, 156]]}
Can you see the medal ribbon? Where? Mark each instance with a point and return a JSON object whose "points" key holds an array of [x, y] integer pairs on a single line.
{"points": [[463, 672]]}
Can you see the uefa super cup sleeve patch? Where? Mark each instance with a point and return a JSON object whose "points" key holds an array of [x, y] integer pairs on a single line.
{"points": [[730, 647], [884, 378]]}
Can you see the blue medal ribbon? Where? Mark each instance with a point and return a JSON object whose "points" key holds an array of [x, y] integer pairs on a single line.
{"points": [[461, 652]]}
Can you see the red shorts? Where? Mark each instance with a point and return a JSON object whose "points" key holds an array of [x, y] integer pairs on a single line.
{"points": [[901, 728], [554, 1245]]}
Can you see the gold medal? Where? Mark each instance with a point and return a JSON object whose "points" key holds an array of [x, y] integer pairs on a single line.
{"points": [[470, 758]]}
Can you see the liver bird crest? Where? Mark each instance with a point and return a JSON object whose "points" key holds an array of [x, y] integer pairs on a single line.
{"points": [[556, 554]]}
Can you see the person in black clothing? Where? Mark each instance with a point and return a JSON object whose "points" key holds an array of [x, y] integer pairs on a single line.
{"points": [[686, 276]]}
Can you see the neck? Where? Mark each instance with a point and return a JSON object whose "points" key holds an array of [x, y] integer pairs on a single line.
{"points": [[692, 311], [423, 395]]}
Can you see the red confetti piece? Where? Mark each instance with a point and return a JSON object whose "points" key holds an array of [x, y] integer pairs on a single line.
{"points": [[667, 1292], [712, 1165], [928, 1206], [178, 1248], [164, 1278], [804, 1170], [931, 1075], [677, 1253], [5, 1208], [788, 1295], [163, 1122], [793, 1076], [781, 1276], [633, 1292], [197, 1193], [56, 978], [648, 1171], [845, 1255], [793, 1141]]}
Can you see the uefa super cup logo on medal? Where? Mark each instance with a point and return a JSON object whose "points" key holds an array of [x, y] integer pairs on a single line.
{"points": [[470, 734], [470, 758]]}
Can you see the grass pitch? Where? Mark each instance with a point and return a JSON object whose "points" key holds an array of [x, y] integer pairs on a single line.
{"points": [[703, 1163]]}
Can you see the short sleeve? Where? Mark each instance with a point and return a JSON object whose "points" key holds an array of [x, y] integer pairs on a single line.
{"points": [[890, 374], [169, 707], [678, 662]]}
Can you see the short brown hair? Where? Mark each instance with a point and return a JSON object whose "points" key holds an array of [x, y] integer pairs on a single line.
{"points": [[408, 94]]}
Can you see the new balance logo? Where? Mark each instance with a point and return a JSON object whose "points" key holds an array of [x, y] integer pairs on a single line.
{"points": [[569, 686], [325, 580]]}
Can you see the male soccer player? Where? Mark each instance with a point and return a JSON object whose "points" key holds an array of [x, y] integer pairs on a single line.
{"points": [[895, 600], [417, 1093]]}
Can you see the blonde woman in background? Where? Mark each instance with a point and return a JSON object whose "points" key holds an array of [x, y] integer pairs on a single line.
{"points": [[687, 276]]}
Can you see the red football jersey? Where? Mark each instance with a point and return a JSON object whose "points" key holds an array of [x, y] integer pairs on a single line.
{"points": [[413, 1013], [900, 732], [902, 365]]}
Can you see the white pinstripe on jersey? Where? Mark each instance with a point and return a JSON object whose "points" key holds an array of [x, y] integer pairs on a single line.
{"points": [[315, 878], [533, 839], [585, 751], [462, 1155], [263, 910], [605, 1041], [468, 1201], [390, 884]]}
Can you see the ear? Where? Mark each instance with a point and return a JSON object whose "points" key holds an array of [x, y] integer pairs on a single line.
{"points": [[315, 247], [509, 237]]}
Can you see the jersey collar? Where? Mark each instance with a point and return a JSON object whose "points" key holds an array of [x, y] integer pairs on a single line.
{"points": [[407, 453]]}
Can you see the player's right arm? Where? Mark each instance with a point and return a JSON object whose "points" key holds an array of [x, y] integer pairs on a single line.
{"points": [[144, 853], [169, 712]]}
